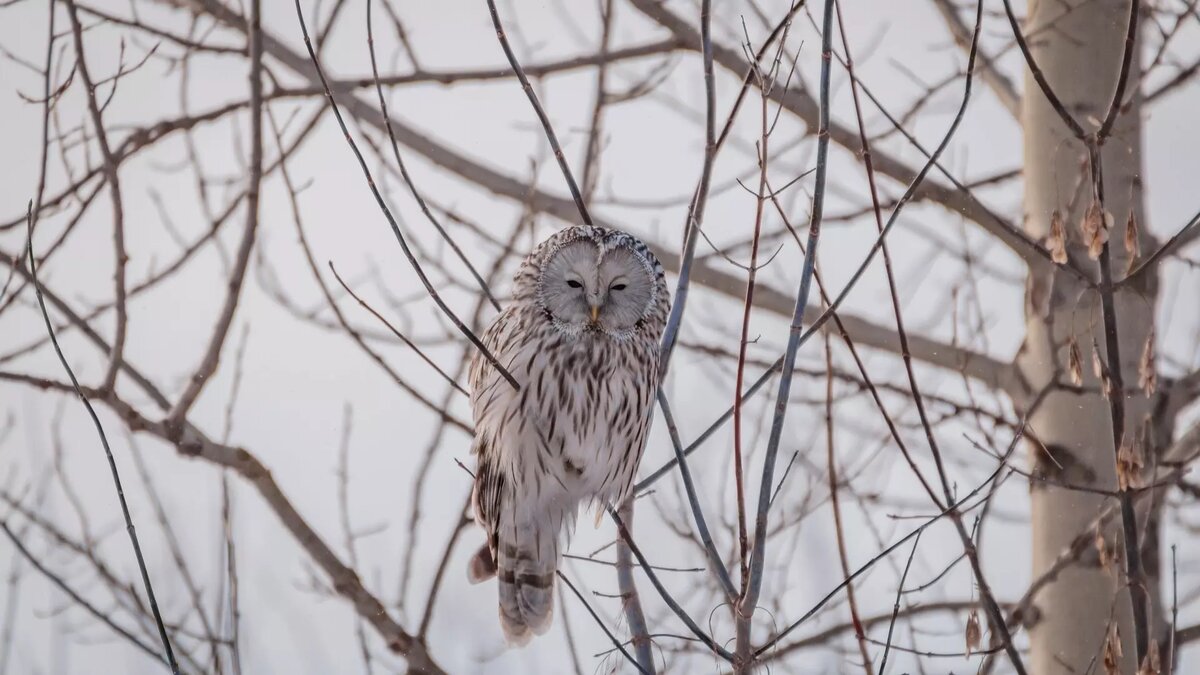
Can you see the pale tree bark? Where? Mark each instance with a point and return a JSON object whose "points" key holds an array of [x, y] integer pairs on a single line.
{"points": [[1080, 56]]}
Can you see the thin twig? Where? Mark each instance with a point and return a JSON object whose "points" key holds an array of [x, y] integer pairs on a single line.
{"points": [[541, 114], [343, 500], [835, 506], [600, 622], [896, 607], [747, 306], [397, 333], [112, 463], [715, 564], [1114, 108], [591, 157], [176, 550]]}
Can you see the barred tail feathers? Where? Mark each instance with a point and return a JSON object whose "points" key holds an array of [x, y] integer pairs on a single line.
{"points": [[527, 557]]}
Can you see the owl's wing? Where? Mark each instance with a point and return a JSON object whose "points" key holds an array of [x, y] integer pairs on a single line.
{"points": [[522, 548], [491, 397]]}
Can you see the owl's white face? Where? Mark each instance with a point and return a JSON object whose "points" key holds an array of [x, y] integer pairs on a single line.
{"points": [[582, 287]]}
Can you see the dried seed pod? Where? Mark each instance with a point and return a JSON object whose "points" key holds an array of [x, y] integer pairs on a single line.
{"points": [[1094, 228], [1130, 460], [1074, 362], [1057, 243], [974, 633], [1100, 371], [1132, 240], [1112, 651], [1102, 550], [1147, 373]]}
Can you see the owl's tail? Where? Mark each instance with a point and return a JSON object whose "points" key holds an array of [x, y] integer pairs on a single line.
{"points": [[526, 559]]}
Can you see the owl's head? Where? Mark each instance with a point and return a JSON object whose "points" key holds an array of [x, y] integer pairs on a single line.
{"points": [[593, 278]]}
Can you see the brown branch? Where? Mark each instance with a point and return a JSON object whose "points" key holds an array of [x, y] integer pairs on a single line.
{"points": [[212, 356], [591, 157], [436, 585], [112, 177], [348, 538], [1138, 592], [446, 77], [835, 506], [189, 44], [821, 639], [362, 303]]}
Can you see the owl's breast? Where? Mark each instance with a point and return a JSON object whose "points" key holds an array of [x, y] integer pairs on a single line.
{"points": [[599, 409]]}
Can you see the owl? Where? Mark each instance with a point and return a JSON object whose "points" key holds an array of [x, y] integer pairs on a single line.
{"points": [[581, 338]]}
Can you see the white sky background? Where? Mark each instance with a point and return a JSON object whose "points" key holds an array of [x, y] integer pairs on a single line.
{"points": [[298, 377]]}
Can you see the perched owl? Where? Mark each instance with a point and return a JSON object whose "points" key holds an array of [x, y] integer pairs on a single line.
{"points": [[581, 338]]}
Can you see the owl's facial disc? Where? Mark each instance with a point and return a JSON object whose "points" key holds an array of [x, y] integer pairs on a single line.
{"points": [[582, 288]]}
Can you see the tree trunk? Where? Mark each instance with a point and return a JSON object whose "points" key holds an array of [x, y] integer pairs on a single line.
{"points": [[1079, 50]]}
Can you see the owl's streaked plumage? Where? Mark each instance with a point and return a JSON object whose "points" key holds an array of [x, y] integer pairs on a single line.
{"points": [[581, 337]]}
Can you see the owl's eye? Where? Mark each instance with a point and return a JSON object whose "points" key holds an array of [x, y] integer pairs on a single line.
{"points": [[617, 287], [574, 284]]}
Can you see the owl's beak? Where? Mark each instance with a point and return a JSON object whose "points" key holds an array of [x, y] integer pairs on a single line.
{"points": [[595, 313]]}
